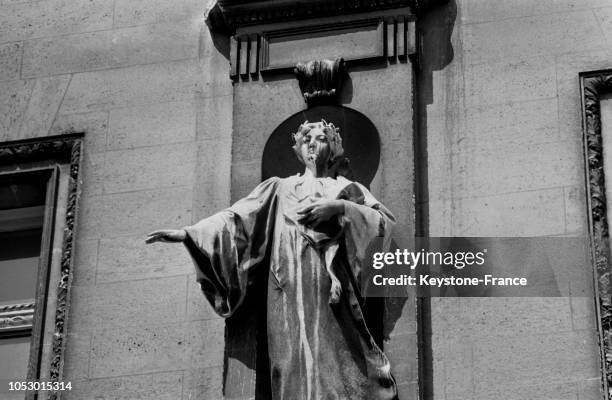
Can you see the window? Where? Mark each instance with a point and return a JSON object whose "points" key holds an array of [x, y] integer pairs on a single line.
{"points": [[38, 199]]}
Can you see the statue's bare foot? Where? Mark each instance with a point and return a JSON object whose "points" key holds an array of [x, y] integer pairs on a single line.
{"points": [[335, 291]]}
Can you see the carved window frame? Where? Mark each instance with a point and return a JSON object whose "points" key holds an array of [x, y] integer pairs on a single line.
{"points": [[60, 157], [594, 85]]}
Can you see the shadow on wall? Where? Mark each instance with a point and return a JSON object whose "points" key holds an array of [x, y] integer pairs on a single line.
{"points": [[434, 30]]}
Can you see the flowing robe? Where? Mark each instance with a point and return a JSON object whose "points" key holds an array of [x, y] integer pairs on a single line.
{"points": [[317, 350]]}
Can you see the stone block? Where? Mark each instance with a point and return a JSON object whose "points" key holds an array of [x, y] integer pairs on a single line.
{"points": [[92, 171], [534, 359], [198, 307], [212, 190], [515, 168], [134, 213], [45, 100], [85, 262], [214, 118], [515, 317], [453, 366], [252, 120], [245, 176], [604, 17], [128, 258], [129, 303], [385, 97], [493, 127], [29, 107], [203, 384], [116, 48], [569, 65], [533, 213], [439, 213], [51, 18], [510, 81], [94, 125], [590, 389], [76, 356], [553, 390], [162, 386], [10, 60], [149, 168], [141, 12], [583, 313], [14, 98], [152, 124], [138, 350], [576, 218], [521, 38], [142, 84], [479, 11], [204, 343]]}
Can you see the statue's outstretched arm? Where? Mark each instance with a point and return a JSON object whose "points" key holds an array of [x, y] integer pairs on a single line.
{"points": [[167, 235]]}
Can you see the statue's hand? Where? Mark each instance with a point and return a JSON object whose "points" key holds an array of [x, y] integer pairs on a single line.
{"points": [[167, 235], [320, 211]]}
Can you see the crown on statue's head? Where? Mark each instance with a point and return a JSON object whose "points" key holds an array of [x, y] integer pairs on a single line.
{"points": [[331, 131]]}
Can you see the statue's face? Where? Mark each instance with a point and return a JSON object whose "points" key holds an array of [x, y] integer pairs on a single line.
{"points": [[314, 147]]}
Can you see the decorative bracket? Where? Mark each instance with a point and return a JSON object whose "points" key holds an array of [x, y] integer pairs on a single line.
{"points": [[321, 80]]}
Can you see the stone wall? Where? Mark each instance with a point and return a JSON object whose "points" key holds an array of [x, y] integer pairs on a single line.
{"points": [[505, 158], [151, 91], [498, 102]]}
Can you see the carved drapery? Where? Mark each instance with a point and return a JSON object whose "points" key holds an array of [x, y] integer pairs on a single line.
{"points": [[65, 150], [594, 85]]}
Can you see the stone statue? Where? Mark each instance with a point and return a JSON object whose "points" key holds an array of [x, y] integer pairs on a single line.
{"points": [[310, 233]]}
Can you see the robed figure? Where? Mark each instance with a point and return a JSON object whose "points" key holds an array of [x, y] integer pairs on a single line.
{"points": [[310, 233]]}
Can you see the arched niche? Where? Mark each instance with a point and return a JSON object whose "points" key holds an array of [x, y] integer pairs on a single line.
{"points": [[360, 140]]}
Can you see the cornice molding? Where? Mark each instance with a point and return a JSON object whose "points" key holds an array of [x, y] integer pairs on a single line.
{"points": [[228, 15]]}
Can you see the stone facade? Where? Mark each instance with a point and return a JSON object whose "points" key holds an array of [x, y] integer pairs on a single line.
{"points": [[498, 115]]}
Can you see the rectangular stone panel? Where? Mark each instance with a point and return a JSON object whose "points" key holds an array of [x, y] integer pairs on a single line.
{"points": [[515, 168], [352, 41], [146, 84], [134, 212], [50, 18], [76, 357], [128, 258], [44, 101], [554, 355], [204, 343], [146, 44], [152, 124], [85, 261], [149, 168], [159, 386], [511, 80], [129, 303], [521, 38], [140, 12], [138, 350], [10, 61], [531, 213]]}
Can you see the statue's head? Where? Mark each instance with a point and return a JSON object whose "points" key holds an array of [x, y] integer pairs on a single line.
{"points": [[318, 143]]}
